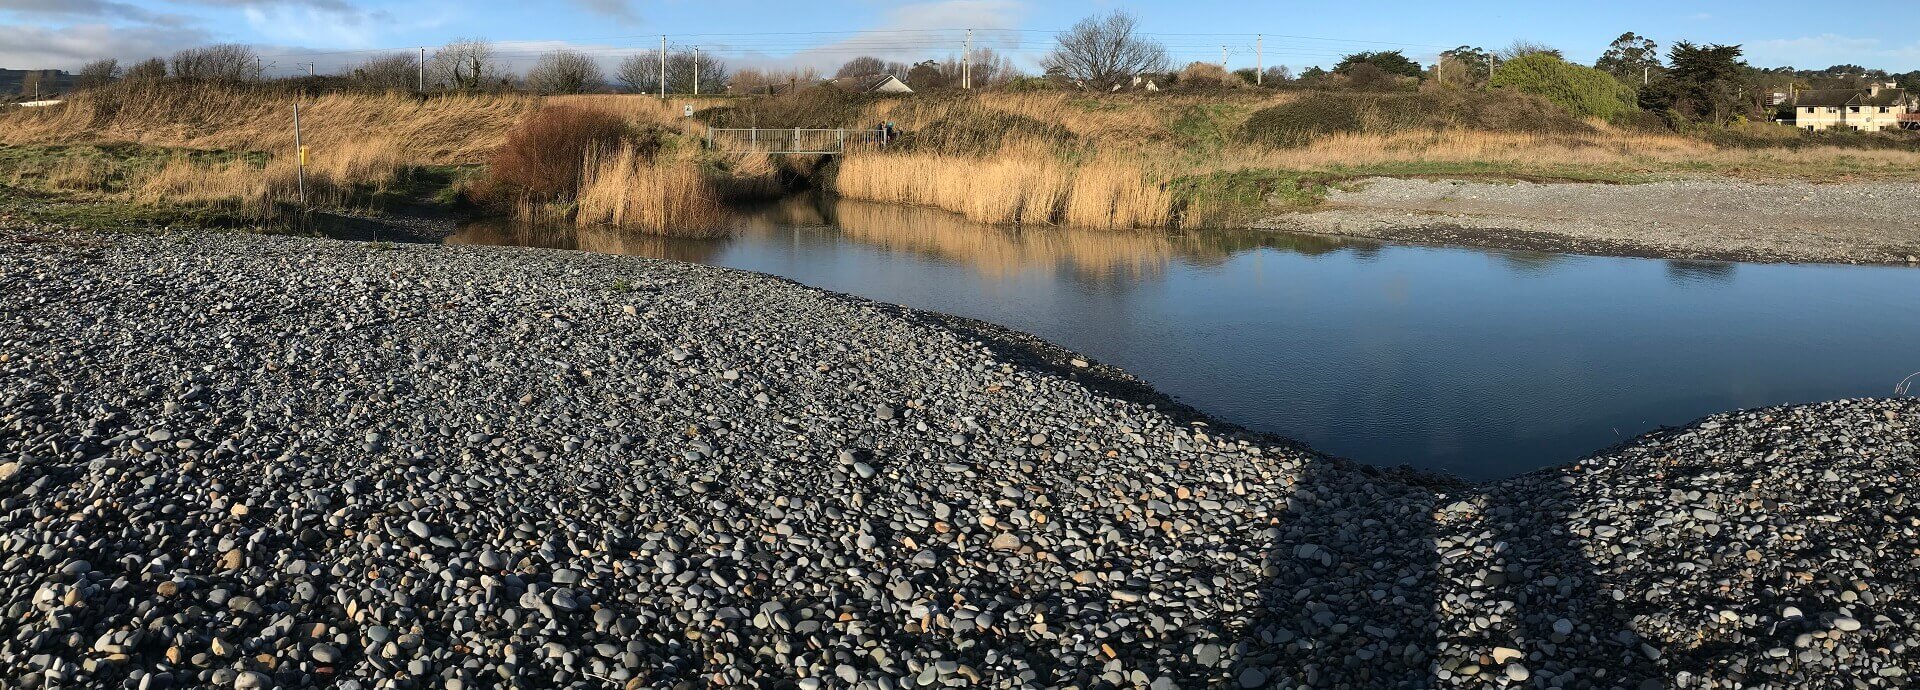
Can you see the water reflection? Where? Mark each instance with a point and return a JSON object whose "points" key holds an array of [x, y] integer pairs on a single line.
{"points": [[1683, 271], [503, 232], [1475, 362]]}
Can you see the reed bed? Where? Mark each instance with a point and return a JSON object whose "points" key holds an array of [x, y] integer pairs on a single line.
{"points": [[1012, 188], [342, 178], [624, 188]]}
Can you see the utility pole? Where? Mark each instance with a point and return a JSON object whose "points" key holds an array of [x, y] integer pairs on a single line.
{"points": [[423, 69], [966, 62], [1646, 75], [1223, 57], [1259, 60], [663, 67], [696, 70]]}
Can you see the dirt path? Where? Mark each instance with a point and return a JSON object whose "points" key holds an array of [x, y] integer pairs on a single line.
{"points": [[1743, 221]]}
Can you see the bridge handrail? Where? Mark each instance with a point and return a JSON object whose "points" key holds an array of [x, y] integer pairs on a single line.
{"points": [[793, 139]]}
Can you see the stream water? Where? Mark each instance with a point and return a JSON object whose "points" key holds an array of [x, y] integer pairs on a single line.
{"points": [[1479, 363]]}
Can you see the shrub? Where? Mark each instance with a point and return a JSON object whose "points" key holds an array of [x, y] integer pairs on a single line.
{"points": [[1637, 120], [1319, 114], [809, 108], [542, 158], [965, 126], [1206, 75], [1583, 91]]}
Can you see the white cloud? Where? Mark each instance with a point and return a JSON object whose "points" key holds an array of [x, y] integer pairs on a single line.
{"points": [[913, 36], [312, 25], [1815, 52], [36, 47]]}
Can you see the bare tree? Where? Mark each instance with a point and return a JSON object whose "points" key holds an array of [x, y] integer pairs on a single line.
{"points": [[989, 68], [1104, 52], [467, 64], [226, 62], [392, 71], [99, 73], [682, 65], [756, 81], [30, 84], [641, 72], [150, 69], [861, 66], [566, 71]]}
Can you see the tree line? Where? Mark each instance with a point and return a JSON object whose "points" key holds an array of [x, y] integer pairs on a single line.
{"points": [[1689, 82]]}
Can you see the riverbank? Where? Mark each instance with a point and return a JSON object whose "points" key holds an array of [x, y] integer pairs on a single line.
{"points": [[247, 460], [1722, 220]]}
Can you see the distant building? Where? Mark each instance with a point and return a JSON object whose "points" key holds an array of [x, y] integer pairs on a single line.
{"points": [[1872, 109], [872, 83]]}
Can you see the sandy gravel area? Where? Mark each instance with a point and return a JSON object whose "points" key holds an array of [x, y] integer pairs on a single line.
{"points": [[1696, 219]]}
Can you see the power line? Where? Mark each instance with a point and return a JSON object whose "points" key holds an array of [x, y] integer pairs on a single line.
{"points": [[915, 39]]}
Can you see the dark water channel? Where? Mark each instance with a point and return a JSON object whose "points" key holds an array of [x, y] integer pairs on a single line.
{"points": [[1475, 362]]}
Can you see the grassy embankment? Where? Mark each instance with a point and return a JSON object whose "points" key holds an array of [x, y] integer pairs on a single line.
{"points": [[212, 155], [1037, 158], [1217, 158]]}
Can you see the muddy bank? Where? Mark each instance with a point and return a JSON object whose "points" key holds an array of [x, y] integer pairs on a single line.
{"points": [[1868, 223]]}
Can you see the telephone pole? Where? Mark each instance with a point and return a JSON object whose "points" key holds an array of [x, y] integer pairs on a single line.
{"points": [[966, 62], [696, 70], [423, 69], [663, 67], [1259, 60], [1646, 75], [1223, 57]]}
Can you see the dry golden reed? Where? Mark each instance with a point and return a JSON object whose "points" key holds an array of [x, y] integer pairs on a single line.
{"points": [[337, 179], [1012, 188], [622, 188]]}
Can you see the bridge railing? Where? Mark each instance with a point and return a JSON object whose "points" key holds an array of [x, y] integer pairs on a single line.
{"points": [[795, 140]]}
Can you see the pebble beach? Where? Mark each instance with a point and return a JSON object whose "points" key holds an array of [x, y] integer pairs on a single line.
{"points": [[241, 461]]}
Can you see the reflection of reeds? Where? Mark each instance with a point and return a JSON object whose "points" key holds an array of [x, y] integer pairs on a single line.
{"points": [[605, 240], [1000, 251]]}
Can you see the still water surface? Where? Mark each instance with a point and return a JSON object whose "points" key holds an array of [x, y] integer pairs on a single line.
{"points": [[1479, 363]]}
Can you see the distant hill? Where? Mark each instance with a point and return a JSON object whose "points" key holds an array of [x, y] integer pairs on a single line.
{"points": [[55, 82]]}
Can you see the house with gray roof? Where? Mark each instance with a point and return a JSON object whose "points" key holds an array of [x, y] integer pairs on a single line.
{"points": [[1872, 109]]}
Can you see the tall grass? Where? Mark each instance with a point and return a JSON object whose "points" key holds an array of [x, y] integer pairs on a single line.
{"points": [[1025, 187], [438, 130], [341, 178], [623, 187]]}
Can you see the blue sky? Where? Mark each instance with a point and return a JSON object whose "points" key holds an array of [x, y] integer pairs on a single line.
{"points": [[333, 33]]}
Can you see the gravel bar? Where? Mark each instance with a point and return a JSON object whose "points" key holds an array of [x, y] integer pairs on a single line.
{"points": [[1722, 220], [251, 462]]}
